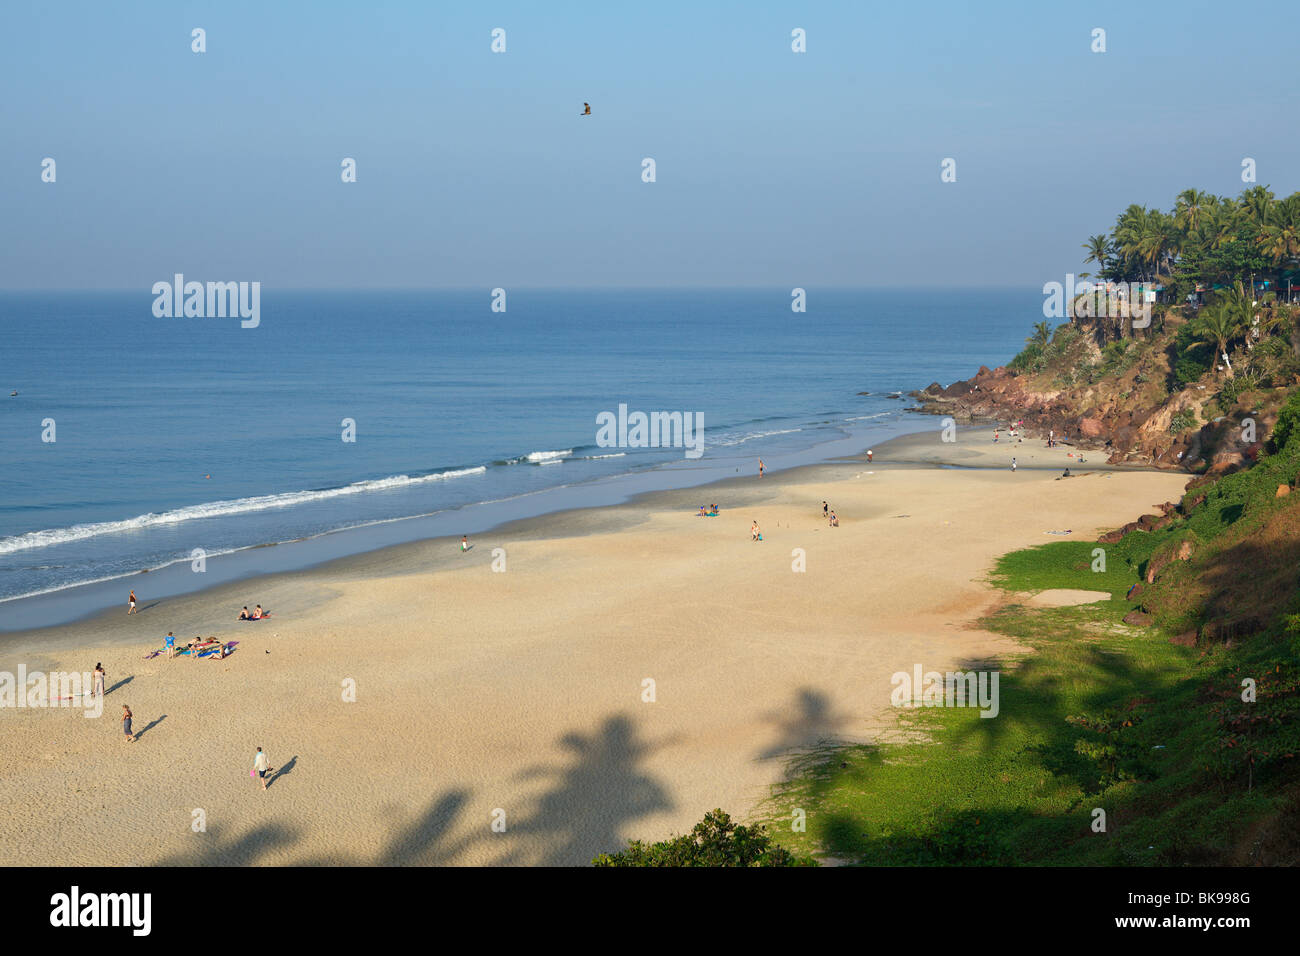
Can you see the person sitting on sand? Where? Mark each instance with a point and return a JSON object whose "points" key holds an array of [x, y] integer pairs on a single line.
{"points": [[257, 613], [713, 509], [244, 615], [702, 513]]}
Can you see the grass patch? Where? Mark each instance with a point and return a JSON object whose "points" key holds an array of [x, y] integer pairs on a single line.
{"points": [[1100, 715]]}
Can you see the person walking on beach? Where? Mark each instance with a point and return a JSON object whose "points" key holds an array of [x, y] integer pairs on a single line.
{"points": [[126, 723], [464, 543], [1013, 464], [825, 510], [97, 681], [760, 468], [261, 766], [130, 603], [868, 454]]}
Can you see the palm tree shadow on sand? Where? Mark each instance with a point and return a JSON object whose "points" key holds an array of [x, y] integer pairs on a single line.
{"points": [[809, 724], [584, 813]]}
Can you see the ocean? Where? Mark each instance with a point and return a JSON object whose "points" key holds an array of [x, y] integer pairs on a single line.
{"points": [[177, 434]]}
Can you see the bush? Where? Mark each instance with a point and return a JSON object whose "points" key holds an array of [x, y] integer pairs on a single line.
{"points": [[715, 841], [1189, 366], [1287, 421]]}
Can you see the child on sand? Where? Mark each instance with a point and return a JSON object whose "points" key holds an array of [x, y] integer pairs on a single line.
{"points": [[260, 765], [169, 642]]}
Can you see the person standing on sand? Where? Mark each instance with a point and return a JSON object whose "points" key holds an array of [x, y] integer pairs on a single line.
{"points": [[825, 510], [97, 681], [868, 454], [1013, 464], [755, 534], [760, 468], [464, 542], [130, 603], [126, 723], [261, 766], [169, 642]]}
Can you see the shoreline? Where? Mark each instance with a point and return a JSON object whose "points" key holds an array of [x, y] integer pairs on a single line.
{"points": [[91, 599], [525, 691], [909, 450]]}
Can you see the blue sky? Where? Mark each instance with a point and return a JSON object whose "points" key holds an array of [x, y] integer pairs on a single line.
{"points": [[475, 169]]}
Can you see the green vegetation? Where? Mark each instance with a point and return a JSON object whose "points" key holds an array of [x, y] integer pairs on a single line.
{"points": [[715, 841], [1104, 714]]}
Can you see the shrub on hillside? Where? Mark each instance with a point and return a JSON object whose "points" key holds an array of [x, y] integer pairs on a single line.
{"points": [[1288, 419], [715, 841]]}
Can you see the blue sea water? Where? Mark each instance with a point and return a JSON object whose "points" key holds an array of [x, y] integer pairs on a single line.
{"points": [[181, 433]]}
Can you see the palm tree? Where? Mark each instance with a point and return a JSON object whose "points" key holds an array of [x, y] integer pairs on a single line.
{"points": [[1220, 225], [1158, 242], [1191, 208], [1218, 324], [1042, 335], [1098, 249], [1280, 238], [1255, 202]]}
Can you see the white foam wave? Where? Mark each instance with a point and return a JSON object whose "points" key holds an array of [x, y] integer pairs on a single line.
{"points": [[538, 456], [217, 509], [741, 439]]}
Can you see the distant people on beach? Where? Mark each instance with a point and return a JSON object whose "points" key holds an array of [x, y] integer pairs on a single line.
{"points": [[244, 615], [755, 533], [126, 723], [1013, 464], [760, 468], [97, 681], [869, 454], [825, 510], [256, 615], [464, 543], [130, 603]]}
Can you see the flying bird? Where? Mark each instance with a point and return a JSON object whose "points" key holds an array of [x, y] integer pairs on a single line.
{"points": [[586, 109]]}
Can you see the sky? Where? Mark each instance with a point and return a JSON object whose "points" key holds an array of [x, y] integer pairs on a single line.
{"points": [[474, 168]]}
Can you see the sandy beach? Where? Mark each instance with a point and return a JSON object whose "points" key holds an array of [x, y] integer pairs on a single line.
{"points": [[619, 672]]}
